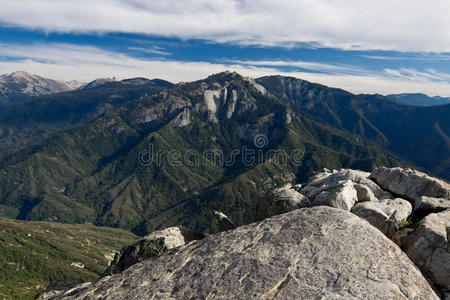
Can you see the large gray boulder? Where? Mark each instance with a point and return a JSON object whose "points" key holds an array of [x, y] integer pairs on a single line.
{"points": [[386, 215], [151, 246], [341, 195], [428, 247], [427, 205], [364, 193], [410, 184], [287, 198], [310, 253]]}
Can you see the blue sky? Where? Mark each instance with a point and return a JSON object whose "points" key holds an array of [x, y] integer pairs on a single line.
{"points": [[389, 48]]}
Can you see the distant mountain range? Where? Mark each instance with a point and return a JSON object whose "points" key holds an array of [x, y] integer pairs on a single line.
{"points": [[27, 123], [21, 86], [419, 99], [85, 155]]}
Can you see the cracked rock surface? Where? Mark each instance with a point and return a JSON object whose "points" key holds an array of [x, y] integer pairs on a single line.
{"points": [[410, 184], [312, 253], [428, 247]]}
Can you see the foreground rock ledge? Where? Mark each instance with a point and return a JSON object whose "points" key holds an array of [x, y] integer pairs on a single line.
{"points": [[307, 253]]}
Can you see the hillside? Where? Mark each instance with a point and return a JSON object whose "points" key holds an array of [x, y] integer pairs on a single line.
{"points": [[34, 253], [408, 131], [25, 124], [101, 171]]}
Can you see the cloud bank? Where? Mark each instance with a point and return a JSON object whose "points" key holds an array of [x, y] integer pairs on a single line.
{"points": [[86, 63], [401, 25]]}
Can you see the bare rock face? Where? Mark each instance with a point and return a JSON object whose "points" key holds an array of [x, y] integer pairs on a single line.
{"points": [[385, 215], [427, 205], [57, 288], [364, 193], [288, 198], [152, 245], [428, 247], [410, 184], [401, 236], [341, 195], [182, 119], [311, 253]]}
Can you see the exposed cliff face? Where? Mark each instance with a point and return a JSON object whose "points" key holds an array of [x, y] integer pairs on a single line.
{"points": [[308, 253]]}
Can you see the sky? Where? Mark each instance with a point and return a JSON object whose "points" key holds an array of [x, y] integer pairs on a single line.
{"points": [[363, 46]]}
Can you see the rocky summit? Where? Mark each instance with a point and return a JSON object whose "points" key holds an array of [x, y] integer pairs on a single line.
{"points": [[319, 252], [340, 235], [408, 206]]}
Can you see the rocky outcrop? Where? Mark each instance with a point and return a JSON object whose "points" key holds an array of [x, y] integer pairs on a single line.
{"points": [[59, 287], [428, 247], [359, 178], [318, 249], [152, 245], [340, 195], [386, 215], [427, 205], [221, 222], [370, 196], [410, 184], [345, 189], [309, 253], [287, 198], [182, 119], [364, 193]]}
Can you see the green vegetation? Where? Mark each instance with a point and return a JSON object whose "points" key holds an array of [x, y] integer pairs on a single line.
{"points": [[407, 224], [73, 158], [29, 123], [32, 254], [91, 173]]}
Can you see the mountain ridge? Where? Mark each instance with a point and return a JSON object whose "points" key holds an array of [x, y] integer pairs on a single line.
{"points": [[20, 86], [93, 170], [419, 99]]}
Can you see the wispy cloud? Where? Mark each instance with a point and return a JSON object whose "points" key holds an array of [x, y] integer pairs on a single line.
{"points": [[418, 76], [153, 50], [311, 66], [411, 57], [413, 25], [85, 63]]}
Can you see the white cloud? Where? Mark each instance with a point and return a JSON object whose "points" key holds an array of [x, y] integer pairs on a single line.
{"points": [[69, 62], [153, 50], [414, 75], [405, 25], [416, 56], [313, 66]]}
